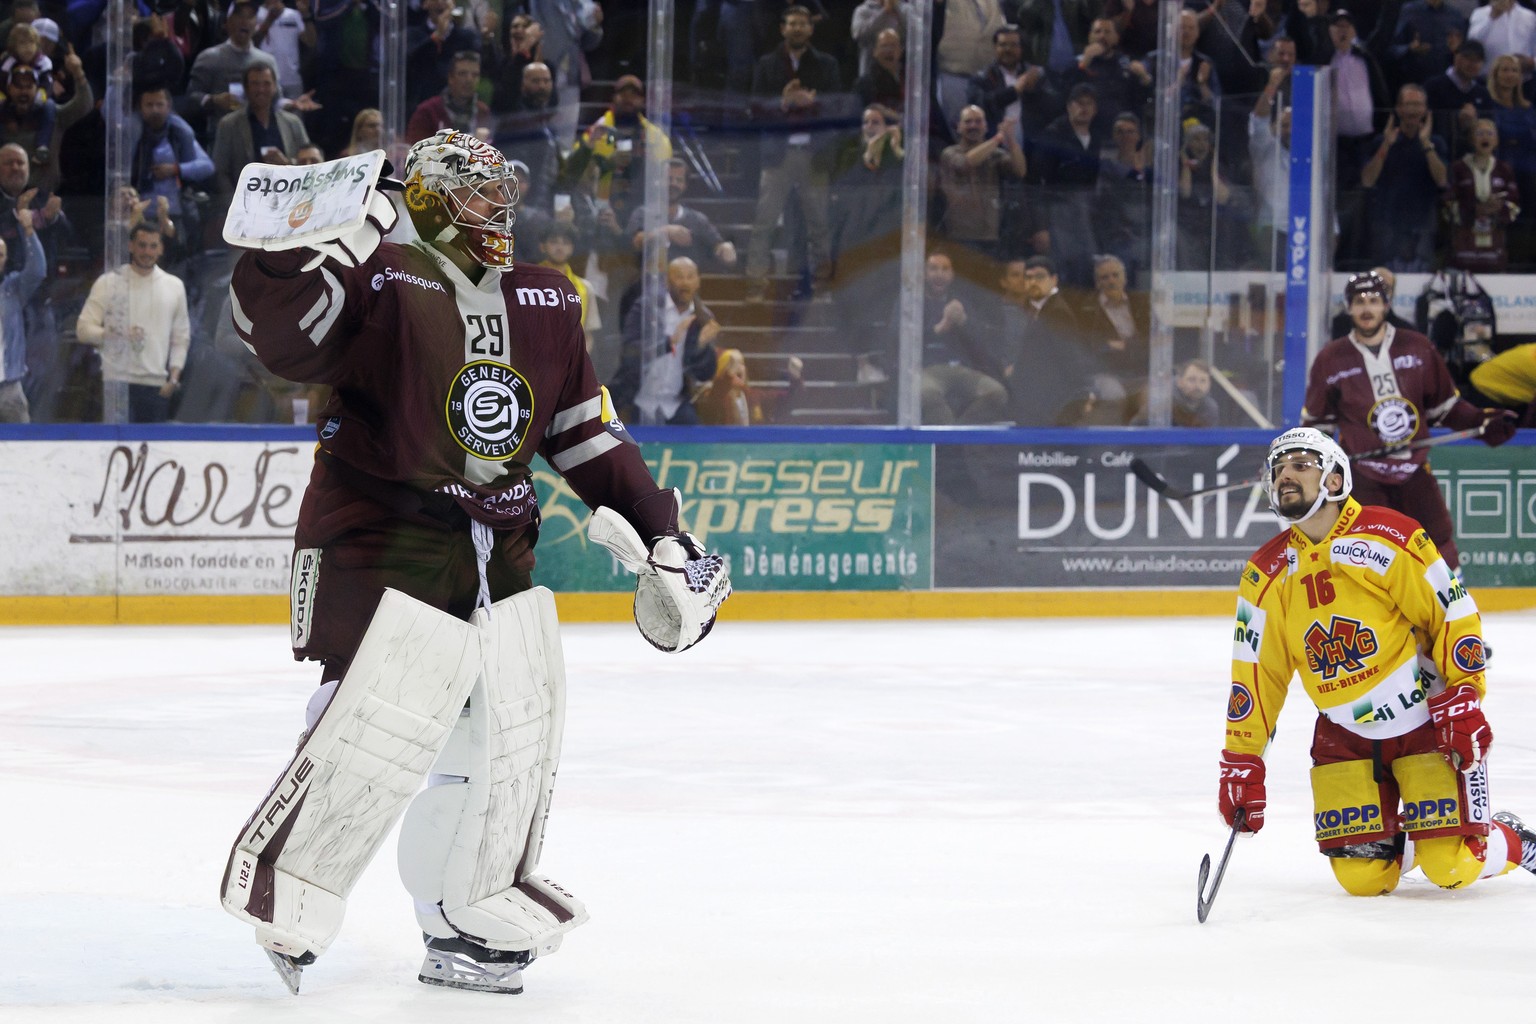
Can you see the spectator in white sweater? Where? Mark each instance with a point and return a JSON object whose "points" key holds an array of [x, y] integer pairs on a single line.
{"points": [[137, 316]]}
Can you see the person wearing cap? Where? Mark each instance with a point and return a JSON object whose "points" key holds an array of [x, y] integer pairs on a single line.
{"points": [[1503, 26], [1120, 84], [612, 157], [1067, 162], [1457, 96], [28, 116]]}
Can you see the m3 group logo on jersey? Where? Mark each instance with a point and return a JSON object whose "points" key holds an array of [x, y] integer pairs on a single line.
{"points": [[488, 410], [1343, 646]]}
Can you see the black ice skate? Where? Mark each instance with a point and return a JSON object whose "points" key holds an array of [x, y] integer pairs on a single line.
{"points": [[1527, 839], [289, 968], [459, 963]]}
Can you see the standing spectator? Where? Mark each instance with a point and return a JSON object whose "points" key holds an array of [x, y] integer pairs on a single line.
{"points": [[1404, 180], [620, 148], [1199, 86], [1515, 119], [557, 245], [1269, 154], [971, 177], [1067, 161], [458, 106], [16, 288], [137, 316], [521, 47], [1012, 89], [1457, 97], [687, 231], [209, 95], [965, 49], [1484, 200], [285, 32], [259, 130], [1054, 32], [22, 50], [793, 87], [866, 189], [1380, 385], [572, 29], [884, 81], [1050, 375], [166, 156], [51, 227], [658, 387], [526, 131], [27, 119], [873, 18], [1428, 33], [432, 52], [1359, 90], [1208, 231], [961, 379], [1124, 197], [1120, 84], [1505, 27]]}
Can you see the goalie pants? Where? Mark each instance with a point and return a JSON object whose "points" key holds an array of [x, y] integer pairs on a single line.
{"points": [[337, 586]]}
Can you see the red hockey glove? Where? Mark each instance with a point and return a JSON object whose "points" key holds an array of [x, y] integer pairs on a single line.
{"points": [[1499, 426], [1461, 731], [1242, 789]]}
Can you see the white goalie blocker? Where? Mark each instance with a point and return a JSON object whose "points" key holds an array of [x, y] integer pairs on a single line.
{"points": [[303, 850], [470, 843], [334, 208], [469, 847]]}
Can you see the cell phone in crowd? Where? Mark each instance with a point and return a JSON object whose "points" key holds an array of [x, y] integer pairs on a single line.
{"points": [[562, 202]]}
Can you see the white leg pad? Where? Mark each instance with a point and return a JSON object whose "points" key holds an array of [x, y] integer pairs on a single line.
{"points": [[469, 850], [303, 850]]}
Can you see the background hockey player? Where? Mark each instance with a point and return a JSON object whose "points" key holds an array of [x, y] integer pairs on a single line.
{"points": [[1389, 647], [451, 366], [1382, 385]]}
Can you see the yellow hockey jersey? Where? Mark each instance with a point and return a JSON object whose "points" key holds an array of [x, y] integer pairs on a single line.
{"points": [[1370, 618]]}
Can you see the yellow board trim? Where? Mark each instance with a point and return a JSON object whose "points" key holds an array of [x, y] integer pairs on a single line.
{"points": [[757, 606]]}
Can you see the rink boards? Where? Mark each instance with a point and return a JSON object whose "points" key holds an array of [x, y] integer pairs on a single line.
{"points": [[108, 525]]}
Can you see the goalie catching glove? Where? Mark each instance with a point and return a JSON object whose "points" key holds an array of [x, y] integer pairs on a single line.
{"points": [[678, 587]]}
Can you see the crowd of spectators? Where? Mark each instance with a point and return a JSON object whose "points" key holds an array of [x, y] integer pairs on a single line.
{"points": [[1037, 156]]}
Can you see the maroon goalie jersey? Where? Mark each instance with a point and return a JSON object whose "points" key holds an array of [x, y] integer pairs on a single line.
{"points": [[441, 386], [1386, 397]]}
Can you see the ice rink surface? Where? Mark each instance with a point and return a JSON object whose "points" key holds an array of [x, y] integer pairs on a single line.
{"points": [[930, 821]]}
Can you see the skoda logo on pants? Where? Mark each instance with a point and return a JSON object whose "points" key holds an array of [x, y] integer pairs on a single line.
{"points": [[488, 410]]}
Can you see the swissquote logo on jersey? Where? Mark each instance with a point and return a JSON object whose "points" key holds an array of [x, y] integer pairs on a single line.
{"points": [[1342, 647], [488, 409]]}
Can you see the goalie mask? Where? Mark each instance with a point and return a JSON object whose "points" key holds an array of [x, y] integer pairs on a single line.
{"points": [[462, 192], [1330, 459]]}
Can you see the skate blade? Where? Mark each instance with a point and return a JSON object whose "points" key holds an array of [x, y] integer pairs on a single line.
{"points": [[289, 971], [455, 970]]}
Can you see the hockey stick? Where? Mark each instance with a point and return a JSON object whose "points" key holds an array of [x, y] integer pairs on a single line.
{"points": [[1155, 481], [1202, 901]]}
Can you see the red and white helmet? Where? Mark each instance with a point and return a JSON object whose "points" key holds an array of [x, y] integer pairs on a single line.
{"points": [[462, 191], [1330, 457]]}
